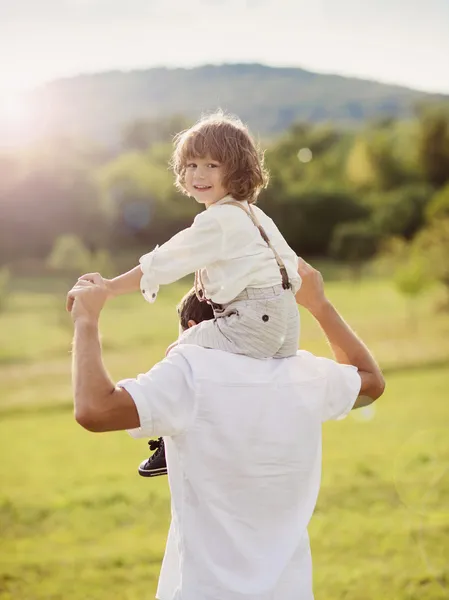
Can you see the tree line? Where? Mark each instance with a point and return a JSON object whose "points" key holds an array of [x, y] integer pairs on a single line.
{"points": [[333, 193]]}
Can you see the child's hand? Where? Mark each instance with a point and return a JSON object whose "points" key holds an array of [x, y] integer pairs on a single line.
{"points": [[97, 277]]}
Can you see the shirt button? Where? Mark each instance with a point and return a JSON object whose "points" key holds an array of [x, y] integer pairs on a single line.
{"points": [[265, 318]]}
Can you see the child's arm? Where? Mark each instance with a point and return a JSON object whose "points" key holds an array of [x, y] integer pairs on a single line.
{"points": [[126, 283], [189, 250], [122, 284]]}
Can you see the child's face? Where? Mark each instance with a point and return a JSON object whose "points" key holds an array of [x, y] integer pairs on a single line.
{"points": [[203, 180]]}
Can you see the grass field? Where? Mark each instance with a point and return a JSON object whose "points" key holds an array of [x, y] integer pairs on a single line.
{"points": [[78, 523]]}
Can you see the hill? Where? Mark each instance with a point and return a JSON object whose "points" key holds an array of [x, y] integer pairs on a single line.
{"points": [[268, 98]]}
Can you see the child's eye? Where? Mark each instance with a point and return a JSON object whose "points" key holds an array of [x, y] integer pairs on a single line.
{"points": [[191, 165], [212, 165]]}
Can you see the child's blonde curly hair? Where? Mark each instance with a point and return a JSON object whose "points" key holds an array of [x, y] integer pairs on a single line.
{"points": [[227, 140]]}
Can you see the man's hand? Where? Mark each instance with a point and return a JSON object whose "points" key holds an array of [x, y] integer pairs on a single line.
{"points": [[87, 298], [92, 278], [311, 293]]}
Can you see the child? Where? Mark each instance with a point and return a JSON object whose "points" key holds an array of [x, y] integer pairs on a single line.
{"points": [[243, 266]]}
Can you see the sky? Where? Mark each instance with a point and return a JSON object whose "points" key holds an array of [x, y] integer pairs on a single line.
{"points": [[395, 41]]}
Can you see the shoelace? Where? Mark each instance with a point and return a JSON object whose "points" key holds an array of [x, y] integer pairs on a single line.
{"points": [[155, 445]]}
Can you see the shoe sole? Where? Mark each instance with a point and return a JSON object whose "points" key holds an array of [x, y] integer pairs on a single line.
{"points": [[153, 473]]}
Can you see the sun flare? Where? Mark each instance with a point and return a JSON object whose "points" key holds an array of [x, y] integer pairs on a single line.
{"points": [[15, 111]]}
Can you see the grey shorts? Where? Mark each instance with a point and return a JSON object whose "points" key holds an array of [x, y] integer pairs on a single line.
{"points": [[260, 322]]}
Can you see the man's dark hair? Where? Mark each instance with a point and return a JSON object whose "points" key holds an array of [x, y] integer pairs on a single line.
{"points": [[190, 308]]}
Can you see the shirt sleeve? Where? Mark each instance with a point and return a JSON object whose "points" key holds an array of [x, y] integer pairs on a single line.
{"points": [[190, 249], [341, 391], [164, 397]]}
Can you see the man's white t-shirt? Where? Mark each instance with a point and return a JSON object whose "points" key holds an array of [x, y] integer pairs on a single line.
{"points": [[243, 447]]}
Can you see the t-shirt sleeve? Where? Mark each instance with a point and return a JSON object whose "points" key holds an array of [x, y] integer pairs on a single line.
{"points": [[342, 388], [164, 397]]}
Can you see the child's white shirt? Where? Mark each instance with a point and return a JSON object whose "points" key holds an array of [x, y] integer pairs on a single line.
{"points": [[226, 245]]}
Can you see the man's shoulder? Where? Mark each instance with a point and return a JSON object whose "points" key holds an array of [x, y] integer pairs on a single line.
{"points": [[321, 364], [206, 363], [198, 356], [314, 366], [211, 364]]}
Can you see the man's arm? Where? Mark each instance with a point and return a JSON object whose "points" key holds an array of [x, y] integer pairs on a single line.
{"points": [[99, 405], [161, 401], [346, 346], [349, 349]]}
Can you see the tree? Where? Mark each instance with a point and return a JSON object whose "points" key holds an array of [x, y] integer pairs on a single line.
{"points": [[422, 260], [101, 262], [142, 134], [408, 268], [308, 215], [438, 207], [433, 146], [306, 153], [359, 167], [140, 199], [433, 244], [376, 161], [410, 277], [354, 243], [69, 255], [401, 212], [47, 195]]}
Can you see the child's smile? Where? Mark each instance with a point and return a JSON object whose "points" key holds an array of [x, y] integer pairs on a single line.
{"points": [[203, 180], [202, 187]]}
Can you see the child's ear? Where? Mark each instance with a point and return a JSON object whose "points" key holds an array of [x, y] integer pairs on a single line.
{"points": [[191, 323]]}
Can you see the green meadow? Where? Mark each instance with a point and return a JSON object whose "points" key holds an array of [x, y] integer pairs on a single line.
{"points": [[77, 522]]}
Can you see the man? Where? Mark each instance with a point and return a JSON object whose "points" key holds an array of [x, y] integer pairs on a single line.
{"points": [[243, 444]]}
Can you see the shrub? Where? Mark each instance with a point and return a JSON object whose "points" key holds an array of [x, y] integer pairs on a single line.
{"points": [[401, 212], [69, 255], [354, 242], [101, 262], [432, 243], [309, 216], [439, 204]]}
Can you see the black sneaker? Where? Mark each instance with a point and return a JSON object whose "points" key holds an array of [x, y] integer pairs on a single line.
{"points": [[155, 465]]}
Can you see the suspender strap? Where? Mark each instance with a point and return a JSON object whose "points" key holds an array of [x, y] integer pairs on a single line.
{"points": [[199, 287], [285, 280]]}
